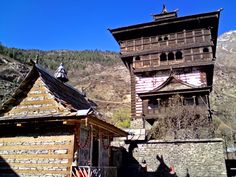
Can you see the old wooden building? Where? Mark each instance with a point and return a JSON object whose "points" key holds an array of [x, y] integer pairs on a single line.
{"points": [[169, 56], [48, 125]]}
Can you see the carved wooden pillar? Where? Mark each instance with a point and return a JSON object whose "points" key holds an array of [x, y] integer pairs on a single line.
{"points": [[194, 100]]}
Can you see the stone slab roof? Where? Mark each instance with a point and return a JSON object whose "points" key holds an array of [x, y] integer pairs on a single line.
{"points": [[42, 95]]}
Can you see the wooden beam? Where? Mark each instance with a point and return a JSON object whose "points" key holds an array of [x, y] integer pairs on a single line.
{"points": [[106, 126]]}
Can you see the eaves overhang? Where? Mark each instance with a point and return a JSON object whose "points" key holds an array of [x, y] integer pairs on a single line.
{"points": [[174, 92]]}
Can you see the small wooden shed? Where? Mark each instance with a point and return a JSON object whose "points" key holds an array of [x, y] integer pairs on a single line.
{"points": [[47, 126]]}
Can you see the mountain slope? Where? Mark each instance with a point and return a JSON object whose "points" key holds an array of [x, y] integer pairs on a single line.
{"points": [[226, 50], [12, 73], [100, 74], [106, 81], [223, 96]]}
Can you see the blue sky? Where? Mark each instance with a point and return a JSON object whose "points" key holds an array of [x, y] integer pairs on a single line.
{"points": [[83, 24]]}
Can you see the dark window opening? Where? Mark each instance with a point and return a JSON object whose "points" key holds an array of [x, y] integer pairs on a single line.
{"points": [[179, 55], [137, 58], [160, 39], [171, 56], [205, 50], [165, 38], [163, 57], [188, 101], [152, 104], [95, 152]]}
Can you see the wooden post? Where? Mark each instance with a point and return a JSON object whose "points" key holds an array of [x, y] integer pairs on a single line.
{"points": [[145, 107], [194, 100], [91, 145], [99, 146]]}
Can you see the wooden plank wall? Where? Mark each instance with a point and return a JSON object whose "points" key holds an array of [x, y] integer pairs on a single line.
{"points": [[36, 156]]}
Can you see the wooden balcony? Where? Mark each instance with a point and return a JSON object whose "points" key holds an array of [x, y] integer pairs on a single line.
{"points": [[156, 112], [154, 63], [193, 58], [146, 63], [169, 40], [160, 112]]}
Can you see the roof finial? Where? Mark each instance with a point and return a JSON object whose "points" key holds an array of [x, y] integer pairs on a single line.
{"points": [[37, 59], [164, 9], [61, 73]]}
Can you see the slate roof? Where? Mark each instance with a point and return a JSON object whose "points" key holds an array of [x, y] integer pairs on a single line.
{"points": [[173, 85], [137, 30], [71, 98], [172, 79], [43, 98], [64, 93]]}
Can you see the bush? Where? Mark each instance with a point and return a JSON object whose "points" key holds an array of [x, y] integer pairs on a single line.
{"points": [[183, 122], [121, 118]]}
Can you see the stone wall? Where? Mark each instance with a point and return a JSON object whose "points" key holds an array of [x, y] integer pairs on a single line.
{"points": [[137, 123], [202, 158], [49, 155]]}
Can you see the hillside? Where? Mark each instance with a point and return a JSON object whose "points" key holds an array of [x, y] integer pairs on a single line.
{"points": [[100, 74], [223, 97], [104, 78], [12, 73]]}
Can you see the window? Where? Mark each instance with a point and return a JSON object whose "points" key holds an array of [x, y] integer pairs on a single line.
{"points": [[153, 104], [171, 56], [189, 101], [178, 55], [206, 53], [205, 50], [163, 57], [165, 38], [160, 39], [137, 58]]}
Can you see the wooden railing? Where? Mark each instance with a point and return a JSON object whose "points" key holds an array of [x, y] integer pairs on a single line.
{"points": [[152, 111], [88, 171], [156, 62], [187, 37], [146, 63]]}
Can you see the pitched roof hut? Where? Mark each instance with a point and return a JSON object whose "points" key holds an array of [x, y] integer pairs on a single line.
{"points": [[47, 125]]}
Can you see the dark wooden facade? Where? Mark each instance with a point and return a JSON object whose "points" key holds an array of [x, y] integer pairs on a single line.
{"points": [[168, 56]]}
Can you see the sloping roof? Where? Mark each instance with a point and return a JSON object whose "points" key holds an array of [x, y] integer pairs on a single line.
{"points": [[119, 30], [41, 94], [173, 83], [63, 92], [41, 97], [138, 30]]}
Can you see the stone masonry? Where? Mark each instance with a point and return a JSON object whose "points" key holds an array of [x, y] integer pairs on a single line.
{"points": [[202, 158]]}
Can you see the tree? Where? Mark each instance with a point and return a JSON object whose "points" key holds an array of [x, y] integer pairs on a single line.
{"points": [[121, 118], [2, 48], [182, 122]]}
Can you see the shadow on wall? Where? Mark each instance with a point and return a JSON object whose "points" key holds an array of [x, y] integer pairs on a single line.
{"points": [[130, 167], [163, 170], [6, 170]]}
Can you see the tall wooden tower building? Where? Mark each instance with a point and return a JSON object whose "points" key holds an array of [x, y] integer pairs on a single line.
{"points": [[169, 56]]}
